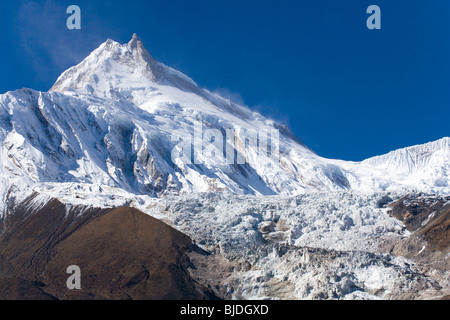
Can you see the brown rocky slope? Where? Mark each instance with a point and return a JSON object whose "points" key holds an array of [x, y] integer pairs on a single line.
{"points": [[122, 253]]}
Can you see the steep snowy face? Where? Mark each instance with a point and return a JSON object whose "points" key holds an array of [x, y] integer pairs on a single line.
{"points": [[425, 166], [415, 158], [113, 69]]}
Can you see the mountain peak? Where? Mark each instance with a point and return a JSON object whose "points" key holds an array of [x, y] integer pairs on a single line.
{"points": [[113, 68], [137, 46], [135, 41]]}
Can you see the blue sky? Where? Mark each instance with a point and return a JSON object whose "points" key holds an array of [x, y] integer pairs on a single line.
{"points": [[347, 92]]}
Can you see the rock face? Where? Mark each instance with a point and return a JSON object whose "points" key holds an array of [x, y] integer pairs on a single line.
{"points": [[122, 254], [428, 219]]}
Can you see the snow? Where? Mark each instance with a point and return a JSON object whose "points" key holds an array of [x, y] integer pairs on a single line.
{"points": [[321, 245], [103, 136], [337, 221], [112, 120]]}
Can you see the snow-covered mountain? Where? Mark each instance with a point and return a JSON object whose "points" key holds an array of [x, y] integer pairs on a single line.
{"points": [[122, 120], [425, 166], [121, 129]]}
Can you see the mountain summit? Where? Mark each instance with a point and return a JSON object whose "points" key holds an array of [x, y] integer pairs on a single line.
{"points": [[113, 68]]}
